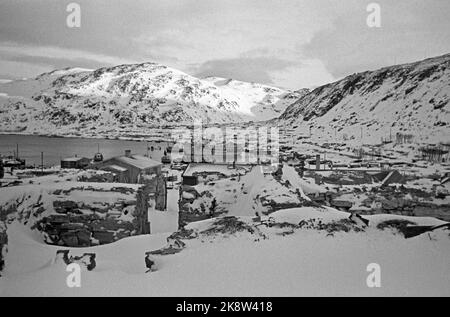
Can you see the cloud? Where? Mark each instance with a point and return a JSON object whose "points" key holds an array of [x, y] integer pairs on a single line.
{"points": [[55, 62], [411, 30], [290, 43], [19, 70], [47, 58], [245, 69], [176, 33]]}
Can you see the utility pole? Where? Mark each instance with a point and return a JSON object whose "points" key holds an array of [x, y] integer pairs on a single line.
{"points": [[42, 163]]}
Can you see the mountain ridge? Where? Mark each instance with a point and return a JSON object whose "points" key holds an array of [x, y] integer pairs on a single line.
{"points": [[410, 98], [130, 97]]}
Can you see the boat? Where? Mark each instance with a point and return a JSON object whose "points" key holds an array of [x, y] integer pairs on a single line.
{"points": [[98, 157]]}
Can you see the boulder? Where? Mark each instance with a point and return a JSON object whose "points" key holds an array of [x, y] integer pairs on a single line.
{"points": [[103, 236], [70, 239], [149, 262], [65, 206], [86, 259], [62, 256], [359, 220], [341, 204], [84, 238]]}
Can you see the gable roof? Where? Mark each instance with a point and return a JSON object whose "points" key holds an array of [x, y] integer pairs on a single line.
{"points": [[73, 159], [138, 161], [393, 177], [116, 168]]}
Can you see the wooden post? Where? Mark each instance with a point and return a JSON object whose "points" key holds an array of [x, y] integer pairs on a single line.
{"points": [[42, 163], [235, 149], [224, 146]]}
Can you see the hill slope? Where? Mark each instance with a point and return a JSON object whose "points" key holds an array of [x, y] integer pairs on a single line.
{"points": [[409, 99]]}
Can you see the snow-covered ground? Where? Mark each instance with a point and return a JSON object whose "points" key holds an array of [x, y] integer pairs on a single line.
{"points": [[302, 263], [165, 221]]}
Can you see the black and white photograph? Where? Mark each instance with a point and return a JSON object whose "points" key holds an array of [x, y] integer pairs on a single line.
{"points": [[253, 149]]}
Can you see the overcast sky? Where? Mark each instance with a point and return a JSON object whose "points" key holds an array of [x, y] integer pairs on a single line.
{"points": [[286, 43]]}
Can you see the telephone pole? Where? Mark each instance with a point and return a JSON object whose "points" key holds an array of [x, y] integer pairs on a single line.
{"points": [[42, 163]]}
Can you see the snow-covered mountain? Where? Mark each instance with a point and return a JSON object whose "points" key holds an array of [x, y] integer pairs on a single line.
{"points": [[409, 99], [130, 97]]}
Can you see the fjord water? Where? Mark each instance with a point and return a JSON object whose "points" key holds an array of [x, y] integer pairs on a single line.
{"points": [[54, 148]]}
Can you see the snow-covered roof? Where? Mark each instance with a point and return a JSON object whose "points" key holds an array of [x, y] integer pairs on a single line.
{"points": [[209, 168], [117, 168], [138, 161], [73, 159], [268, 169]]}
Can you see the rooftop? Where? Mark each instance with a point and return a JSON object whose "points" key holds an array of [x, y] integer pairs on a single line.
{"points": [[73, 159], [117, 168], [225, 169], [138, 161]]}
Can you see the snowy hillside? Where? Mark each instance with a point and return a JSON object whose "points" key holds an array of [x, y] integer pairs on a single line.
{"points": [[408, 99], [131, 96]]}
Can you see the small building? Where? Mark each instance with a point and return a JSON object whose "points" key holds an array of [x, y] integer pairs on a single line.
{"points": [[75, 162], [138, 169], [13, 162], [130, 168], [389, 177], [98, 157]]}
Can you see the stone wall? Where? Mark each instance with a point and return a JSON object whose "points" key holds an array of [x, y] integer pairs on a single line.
{"points": [[79, 231], [402, 201], [156, 188], [4, 212], [141, 210], [83, 224], [189, 194], [410, 208]]}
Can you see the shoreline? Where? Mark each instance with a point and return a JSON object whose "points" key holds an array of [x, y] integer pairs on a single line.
{"points": [[52, 136]]}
